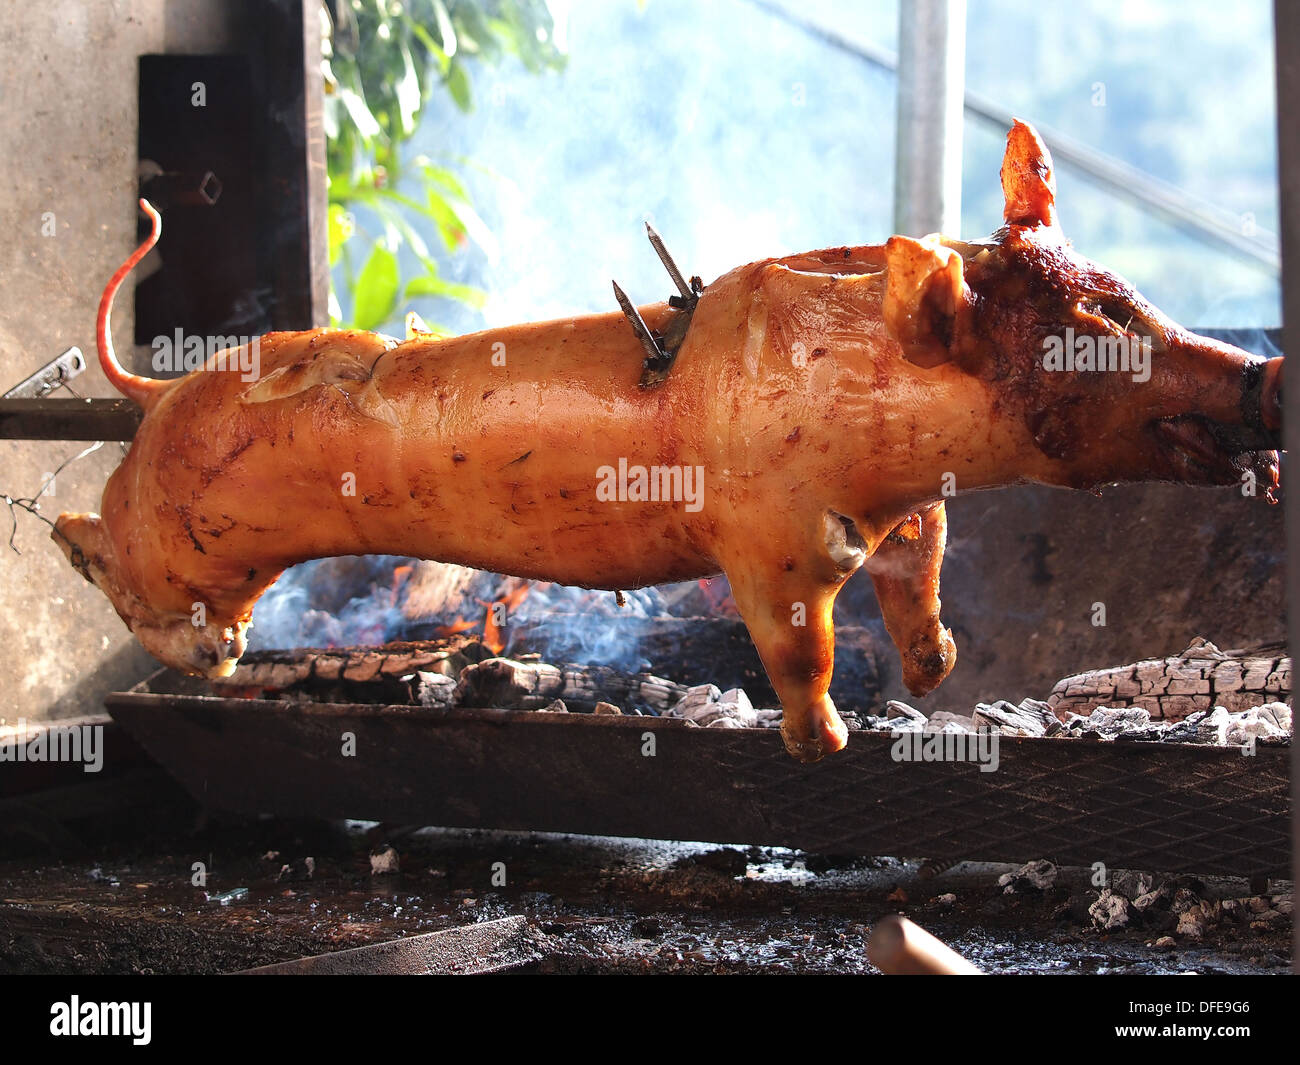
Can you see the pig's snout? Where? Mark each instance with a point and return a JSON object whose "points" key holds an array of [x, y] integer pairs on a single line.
{"points": [[1261, 401], [1270, 400]]}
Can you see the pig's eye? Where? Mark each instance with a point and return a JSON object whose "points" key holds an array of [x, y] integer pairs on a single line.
{"points": [[1120, 316]]}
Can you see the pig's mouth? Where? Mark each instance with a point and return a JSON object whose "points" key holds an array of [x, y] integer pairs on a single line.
{"points": [[1197, 450]]}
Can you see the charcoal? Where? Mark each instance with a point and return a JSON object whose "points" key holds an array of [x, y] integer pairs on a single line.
{"points": [[607, 710], [705, 705], [1031, 877], [895, 724], [1185, 898], [1109, 722], [1191, 923], [1268, 921], [1199, 678], [698, 701], [509, 683], [895, 709], [735, 704], [940, 719], [1155, 900], [1267, 724], [1110, 912], [384, 861], [1153, 733], [1010, 719], [1213, 728], [434, 690]]}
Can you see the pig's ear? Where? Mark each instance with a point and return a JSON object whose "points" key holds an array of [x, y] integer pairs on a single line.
{"points": [[1028, 181], [924, 292]]}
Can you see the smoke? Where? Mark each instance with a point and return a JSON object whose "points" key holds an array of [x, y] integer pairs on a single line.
{"points": [[376, 599], [696, 117]]}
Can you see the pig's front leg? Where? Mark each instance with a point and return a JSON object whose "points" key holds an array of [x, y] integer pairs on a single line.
{"points": [[785, 594], [905, 573]]}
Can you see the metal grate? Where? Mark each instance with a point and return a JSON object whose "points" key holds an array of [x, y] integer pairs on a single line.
{"points": [[1129, 805]]}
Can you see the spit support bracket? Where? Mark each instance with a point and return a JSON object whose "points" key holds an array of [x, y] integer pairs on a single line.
{"points": [[55, 373], [29, 412], [661, 348]]}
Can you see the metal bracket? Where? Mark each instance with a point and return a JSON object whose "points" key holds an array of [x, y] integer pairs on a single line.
{"points": [[56, 372], [661, 348]]}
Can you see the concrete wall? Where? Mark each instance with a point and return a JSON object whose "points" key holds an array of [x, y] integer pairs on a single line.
{"points": [[68, 141]]}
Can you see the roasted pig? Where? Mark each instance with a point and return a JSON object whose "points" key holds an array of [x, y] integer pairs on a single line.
{"points": [[819, 411]]}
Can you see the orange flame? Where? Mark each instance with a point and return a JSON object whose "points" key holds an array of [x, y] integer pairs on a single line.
{"points": [[458, 626], [493, 634]]}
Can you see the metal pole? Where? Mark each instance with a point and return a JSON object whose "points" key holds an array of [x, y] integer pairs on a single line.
{"points": [[1286, 30], [931, 85]]}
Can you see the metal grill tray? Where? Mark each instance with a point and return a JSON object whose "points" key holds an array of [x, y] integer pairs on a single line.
{"points": [[1165, 807]]}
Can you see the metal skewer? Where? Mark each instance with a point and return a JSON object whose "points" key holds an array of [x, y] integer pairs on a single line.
{"points": [[657, 242], [662, 350], [654, 353]]}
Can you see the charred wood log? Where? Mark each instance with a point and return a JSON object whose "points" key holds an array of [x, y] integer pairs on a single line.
{"points": [[387, 674], [1200, 678], [533, 685], [718, 650]]}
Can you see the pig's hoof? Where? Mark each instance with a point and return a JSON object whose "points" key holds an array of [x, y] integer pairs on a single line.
{"points": [[928, 661], [806, 751], [824, 734]]}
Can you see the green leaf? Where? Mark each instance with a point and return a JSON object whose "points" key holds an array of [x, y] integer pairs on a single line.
{"points": [[458, 85], [449, 226], [429, 285], [440, 175], [430, 45], [376, 289], [477, 229]]}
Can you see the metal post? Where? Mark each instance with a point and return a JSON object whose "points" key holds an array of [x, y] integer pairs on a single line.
{"points": [[1286, 24], [931, 83]]}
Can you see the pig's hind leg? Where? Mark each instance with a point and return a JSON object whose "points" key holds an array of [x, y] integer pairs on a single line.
{"points": [[905, 573]]}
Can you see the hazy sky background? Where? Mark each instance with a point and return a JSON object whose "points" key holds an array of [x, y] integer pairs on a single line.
{"points": [[744, 137]]}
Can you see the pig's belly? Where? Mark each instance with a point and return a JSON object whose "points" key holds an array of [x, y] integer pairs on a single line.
{"points": [[488, 499], [516, 529]]}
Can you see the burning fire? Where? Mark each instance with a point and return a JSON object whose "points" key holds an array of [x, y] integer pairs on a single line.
{"points": [[493, 631], [373, 600]]}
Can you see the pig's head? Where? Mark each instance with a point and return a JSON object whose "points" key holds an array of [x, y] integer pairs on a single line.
{"points": [[1103, 385]]}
